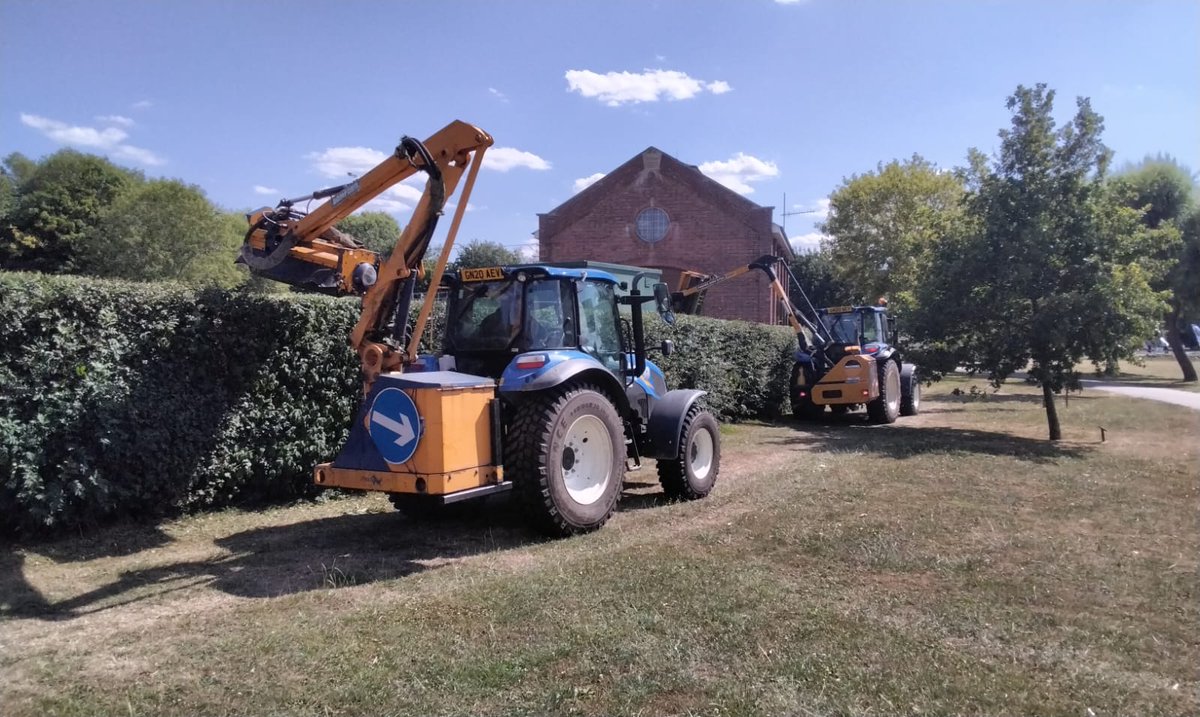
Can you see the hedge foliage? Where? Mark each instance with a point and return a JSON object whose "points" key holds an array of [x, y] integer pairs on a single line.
{"points": [[139, 400]]}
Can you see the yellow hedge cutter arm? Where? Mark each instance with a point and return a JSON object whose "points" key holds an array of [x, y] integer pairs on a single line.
{"points": [[304, 249]]}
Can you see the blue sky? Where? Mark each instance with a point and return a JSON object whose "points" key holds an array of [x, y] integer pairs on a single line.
{"points": [[257, 100]]}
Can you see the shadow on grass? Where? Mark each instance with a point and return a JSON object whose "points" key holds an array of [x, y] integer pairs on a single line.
{"points": [[853, 434], [266, 562]]}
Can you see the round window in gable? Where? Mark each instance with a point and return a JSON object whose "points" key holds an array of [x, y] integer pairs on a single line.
{"points": [[652, 224]]}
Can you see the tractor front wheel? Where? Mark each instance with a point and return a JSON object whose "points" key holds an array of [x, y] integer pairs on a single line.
{"points": [[886, 408], [566, 457], [692, 473]]}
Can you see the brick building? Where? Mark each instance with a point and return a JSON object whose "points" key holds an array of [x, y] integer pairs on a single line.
{"points": [[658, 212]]}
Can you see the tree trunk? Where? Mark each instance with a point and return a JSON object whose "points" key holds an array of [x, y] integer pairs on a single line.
{"points": [[1185, 364], [1051, 413]]}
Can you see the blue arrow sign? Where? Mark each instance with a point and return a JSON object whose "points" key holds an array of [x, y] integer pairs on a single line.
{"points": [[394, 425]]}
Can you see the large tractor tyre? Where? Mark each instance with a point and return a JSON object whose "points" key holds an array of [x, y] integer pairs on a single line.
{"points": [[692, 473], [803, 408], [910, 391], [886, 408], [566, 457]]}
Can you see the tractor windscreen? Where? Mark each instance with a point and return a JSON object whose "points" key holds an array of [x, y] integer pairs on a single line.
{"points": [[851, 328], [495, 315], [485, 316]]}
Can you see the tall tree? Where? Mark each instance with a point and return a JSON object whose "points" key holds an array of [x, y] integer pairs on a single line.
{"points": [[1038, 274], [1164, 192], [476, 254], [58, 202], [377, 230], [815, 274], [165, 230], [883, 225]]}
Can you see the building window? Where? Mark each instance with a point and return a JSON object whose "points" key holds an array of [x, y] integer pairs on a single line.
{"points": [[652, 225]]}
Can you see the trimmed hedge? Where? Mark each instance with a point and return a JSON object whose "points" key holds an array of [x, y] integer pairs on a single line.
{"points": [[140, 400]]}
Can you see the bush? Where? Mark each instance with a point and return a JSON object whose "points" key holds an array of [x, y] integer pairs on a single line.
{"points": [[141, 400]]}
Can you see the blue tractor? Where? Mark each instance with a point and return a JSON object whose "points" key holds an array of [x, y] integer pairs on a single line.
{"points": [[543, 388]]}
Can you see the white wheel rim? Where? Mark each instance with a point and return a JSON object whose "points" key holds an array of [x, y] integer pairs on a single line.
{"points": [[916, 394], [700, 453], [587, 459], [893, 389]]}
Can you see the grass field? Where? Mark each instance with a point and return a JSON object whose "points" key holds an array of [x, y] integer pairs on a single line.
{"points": [[951, 563], [1160, 371]]}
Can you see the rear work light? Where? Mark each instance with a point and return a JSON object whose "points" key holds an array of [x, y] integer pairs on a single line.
{"points": [[529, 361]]}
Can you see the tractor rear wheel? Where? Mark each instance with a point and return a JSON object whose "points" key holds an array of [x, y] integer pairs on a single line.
{"points": [[886, 408], [566, 457], [692, 473], [910, 391]]}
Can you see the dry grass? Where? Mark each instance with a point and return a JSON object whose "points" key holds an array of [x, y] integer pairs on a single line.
{"points": [[951, 563], [1160, 371]]}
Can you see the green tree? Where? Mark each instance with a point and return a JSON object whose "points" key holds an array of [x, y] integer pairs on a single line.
{"points": [[377, 230], [816, 278], [883, 226], [1038, 273], [58, 202], [1164, 192], [476, 254], [165, 230]]}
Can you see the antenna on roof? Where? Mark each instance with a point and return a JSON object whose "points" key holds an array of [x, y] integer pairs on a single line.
{"points": [[785, 213]]}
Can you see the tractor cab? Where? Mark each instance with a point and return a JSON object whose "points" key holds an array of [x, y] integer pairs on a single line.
{"points": [[866, 327], [496, 314]]}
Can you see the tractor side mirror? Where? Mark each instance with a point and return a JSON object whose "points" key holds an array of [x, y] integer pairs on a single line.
{"points": [[662, 301]]}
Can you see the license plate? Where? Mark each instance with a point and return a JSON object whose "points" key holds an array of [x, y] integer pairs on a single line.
{"points": [[491, 273]]}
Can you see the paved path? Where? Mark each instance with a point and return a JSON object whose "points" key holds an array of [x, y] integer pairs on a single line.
{"points": [[1166, 395]]}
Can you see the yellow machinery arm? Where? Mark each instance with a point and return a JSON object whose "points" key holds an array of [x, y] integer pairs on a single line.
{"points": [[305, 250], [692, 286]]}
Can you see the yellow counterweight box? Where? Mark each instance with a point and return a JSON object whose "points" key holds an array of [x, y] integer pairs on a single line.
{"points": [[430, 433]]}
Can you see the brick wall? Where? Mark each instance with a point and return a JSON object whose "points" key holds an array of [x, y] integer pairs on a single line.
{"points": [[712, 230]]}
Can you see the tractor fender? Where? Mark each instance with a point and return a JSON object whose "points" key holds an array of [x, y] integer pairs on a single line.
{"points": [[906, 373], [886, 352], [516, 385], [666, 421]]}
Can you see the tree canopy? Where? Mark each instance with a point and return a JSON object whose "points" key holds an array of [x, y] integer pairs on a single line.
{"points": [[476, 254], [377, 230], [884, 224], [1164, 192], [1040, 274]]}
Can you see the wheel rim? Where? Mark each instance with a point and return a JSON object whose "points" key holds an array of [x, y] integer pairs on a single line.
{"points": [[893, 390], [916, 394], [587, 459], [700, 454]]}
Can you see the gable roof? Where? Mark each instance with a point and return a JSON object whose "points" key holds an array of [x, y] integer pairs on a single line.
{"points": [[649, 161]]}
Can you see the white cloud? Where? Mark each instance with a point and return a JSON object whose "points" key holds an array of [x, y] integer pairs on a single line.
{"points": [[503, 159], [738, 172], [498, 94], [807, 243], [790, 2], [108, 139], [64, 133], [340, 162], [142, 105], [816, 211], [617, 88], [139, 155], [115, 119], [260, 189], [585, 182], [528, 251]]}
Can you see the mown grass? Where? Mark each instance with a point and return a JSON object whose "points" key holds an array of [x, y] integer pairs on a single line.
{"points": [[951, 563], [1161, 371]]}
